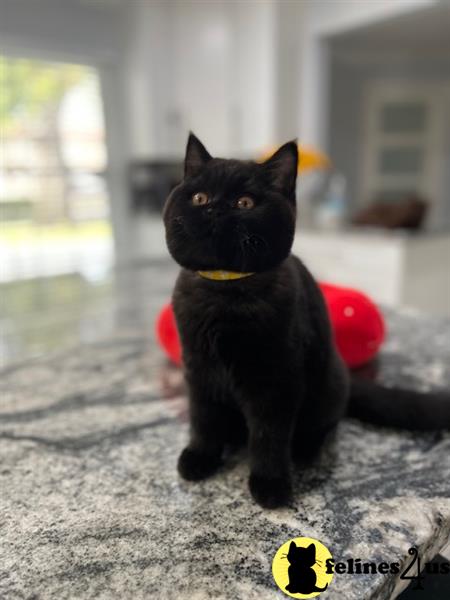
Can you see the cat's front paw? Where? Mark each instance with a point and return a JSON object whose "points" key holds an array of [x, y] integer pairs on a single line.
{"points": [[270, 492], [194, 465]]}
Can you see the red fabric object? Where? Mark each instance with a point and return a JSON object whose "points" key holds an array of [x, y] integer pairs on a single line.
{"points": [[358, 326], [167, 334]]}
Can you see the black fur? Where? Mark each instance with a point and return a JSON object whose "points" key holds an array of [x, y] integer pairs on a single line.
{"points": [[258, 352], [399, 408]]}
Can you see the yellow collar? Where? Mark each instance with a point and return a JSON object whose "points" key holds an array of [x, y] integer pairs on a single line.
{"points": [[223, 275]]}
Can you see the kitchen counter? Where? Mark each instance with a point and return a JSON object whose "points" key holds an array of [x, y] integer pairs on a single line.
{"points": [[92, 507]]}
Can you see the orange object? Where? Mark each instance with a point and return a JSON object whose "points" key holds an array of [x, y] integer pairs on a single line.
{"points": [[309, 159]]}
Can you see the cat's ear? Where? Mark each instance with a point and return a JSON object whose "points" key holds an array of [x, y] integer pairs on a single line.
{"points": [[293, 546], [282, 168], [196, 155], [312, 549]]}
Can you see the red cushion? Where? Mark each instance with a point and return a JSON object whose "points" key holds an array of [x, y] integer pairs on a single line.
{"points": [[358, 325], [167, 334]]}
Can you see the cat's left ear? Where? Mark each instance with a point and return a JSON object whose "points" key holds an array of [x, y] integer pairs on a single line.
{"points": [[312, 549], [282, 168], [196, 156]]}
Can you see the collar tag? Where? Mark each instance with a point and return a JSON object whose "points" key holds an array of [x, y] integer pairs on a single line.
{"points": [[222, 275]]}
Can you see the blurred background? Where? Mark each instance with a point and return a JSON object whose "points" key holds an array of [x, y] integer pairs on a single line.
{"points": [[97, 98]]}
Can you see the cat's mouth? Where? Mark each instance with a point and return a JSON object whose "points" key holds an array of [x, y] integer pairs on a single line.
{"points": [[254, 244]]}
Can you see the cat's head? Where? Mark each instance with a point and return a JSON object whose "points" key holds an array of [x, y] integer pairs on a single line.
{"points": [[305, 557], [231, 214]]}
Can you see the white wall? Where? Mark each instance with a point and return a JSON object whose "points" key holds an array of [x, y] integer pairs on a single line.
{"points": [[73, 30], [314, 83], [204, 73], [147, 76], [288, 35], [254, 63], [328, 18]]}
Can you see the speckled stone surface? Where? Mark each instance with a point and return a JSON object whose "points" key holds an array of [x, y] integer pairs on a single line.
{"points": [[91, 505]]}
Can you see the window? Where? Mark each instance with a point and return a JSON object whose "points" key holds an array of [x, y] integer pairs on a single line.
{"points": [[54, 203]]}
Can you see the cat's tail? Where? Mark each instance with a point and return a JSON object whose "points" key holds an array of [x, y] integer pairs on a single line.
{"points": [[318, 589], [394, 407]]}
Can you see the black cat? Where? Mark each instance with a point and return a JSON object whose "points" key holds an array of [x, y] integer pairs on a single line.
{"points": [[302, 577], [258, 353]]}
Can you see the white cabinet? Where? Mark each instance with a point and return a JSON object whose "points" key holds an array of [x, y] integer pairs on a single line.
{"points": [[213, 68], [199, 49], [221, 63], [395, 269]]}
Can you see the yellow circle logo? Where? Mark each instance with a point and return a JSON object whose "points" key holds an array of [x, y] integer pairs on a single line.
{"points": [[300, 568]]}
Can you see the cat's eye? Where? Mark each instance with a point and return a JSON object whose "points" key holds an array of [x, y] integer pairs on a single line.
{"points": [[200, 199], [245, 203]]}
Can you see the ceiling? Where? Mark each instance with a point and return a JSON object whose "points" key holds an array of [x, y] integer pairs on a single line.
{"points": [[423, 33]]}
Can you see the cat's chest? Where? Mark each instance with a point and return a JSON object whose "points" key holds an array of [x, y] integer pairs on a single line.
{"points": [[227, 328], [231, 322]]}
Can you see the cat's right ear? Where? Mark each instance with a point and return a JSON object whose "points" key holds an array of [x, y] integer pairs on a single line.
{"points": [[282, 168], [196, 156], [293, 546]]}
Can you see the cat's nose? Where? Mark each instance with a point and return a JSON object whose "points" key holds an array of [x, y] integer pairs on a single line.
{"points": [[214, 210]]}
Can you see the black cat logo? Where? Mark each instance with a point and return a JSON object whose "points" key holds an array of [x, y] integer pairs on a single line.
{"points": [[299, 568], [302, 577]]}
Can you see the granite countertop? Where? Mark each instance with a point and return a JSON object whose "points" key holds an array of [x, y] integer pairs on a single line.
{"points": [[92, 507]]}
